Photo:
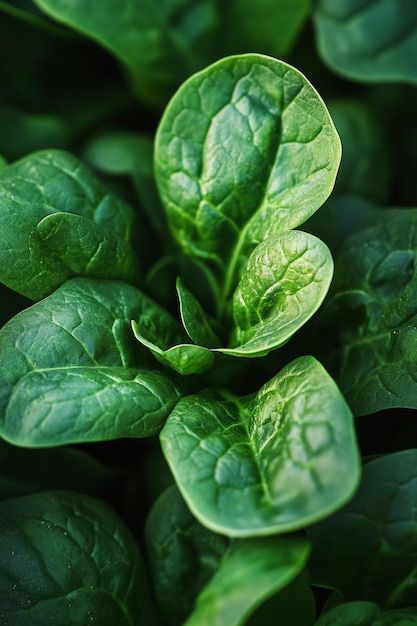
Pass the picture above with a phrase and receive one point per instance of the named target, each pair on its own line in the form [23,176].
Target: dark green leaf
[52,182]
[183,555]
[374,536]
[369,40]
[71,369]
[374,308]
[69,559]
[195,320]
[367,614]
[266,463]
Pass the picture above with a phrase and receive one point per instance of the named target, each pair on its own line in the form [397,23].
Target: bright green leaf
[69,559]
[51,182]
[369,40]
[285,281]
[245,149]
[72,371]
[374,536]
[267,463]
[195,320]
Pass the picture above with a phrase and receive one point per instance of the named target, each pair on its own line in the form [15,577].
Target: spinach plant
[208,333]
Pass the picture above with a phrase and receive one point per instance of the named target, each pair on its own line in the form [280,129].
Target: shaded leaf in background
[374,536]
[367,614]
[69,559]
[368,40]
[373,306]
[73,372]
[271,462]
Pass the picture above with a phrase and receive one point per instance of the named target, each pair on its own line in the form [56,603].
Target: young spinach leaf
[369,40]
[246,149]
[72,371]
[69,559]
[267,463]
[57,221]
[374,536]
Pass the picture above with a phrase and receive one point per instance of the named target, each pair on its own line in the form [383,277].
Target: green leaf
[374,536]
[271,462]
[87,248]
[195,320]
[72,371]
[373,305]
[183,555]
[367,614]
[368,40]
[245,149]
[251,571]
[53,182]
[69,559]
[160,44]
[285,281]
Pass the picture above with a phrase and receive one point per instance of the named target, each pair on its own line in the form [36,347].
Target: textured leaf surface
[268,463]
[251,571]
[245,149]
[69,559]
[367,614]
[55,182]
[374,536]
[72,371]
[374,306]
[370,40]
[285,281]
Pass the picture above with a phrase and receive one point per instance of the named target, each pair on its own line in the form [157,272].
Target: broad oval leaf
[374,536]
[72,371]
[55,183]
[369,40]
[373,304]
[69,559]
[245,149]
[367,614]
[268,463]
[285,281]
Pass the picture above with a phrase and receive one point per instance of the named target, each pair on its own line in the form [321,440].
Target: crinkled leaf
[87,248]
[72,370]
[195,320]
[367,614]
[374,536]
[183,555]
[51,182]
[266,463]
[245,149]
[374,308]
[285,281]
[69,559]
[369,40]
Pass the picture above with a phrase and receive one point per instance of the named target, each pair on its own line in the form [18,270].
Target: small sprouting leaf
[369,40]
[267,463]
[72,371]
[374,536]
[45,184]
[195,320]
[245,149]
[285,281]
[367,614]
[69,559]
[373,305]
